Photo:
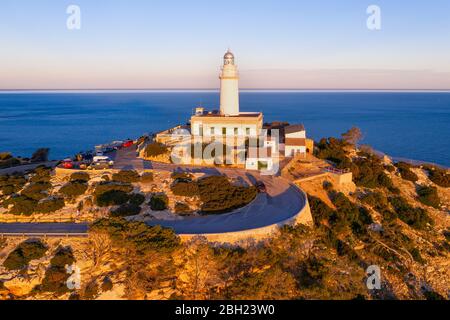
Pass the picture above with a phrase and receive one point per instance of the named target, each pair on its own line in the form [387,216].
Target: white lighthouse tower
[229,87]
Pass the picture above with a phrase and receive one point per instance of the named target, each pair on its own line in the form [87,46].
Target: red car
[127,144]
[67,164]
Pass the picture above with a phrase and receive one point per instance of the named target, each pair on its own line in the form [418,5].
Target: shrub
[405,171]
[50,205]
[155,149]
[186,189]
[9,162]
[40,155]
[333,149]
[147,177]
[5,156]
[312,272]
[41,174]
[91,291]
[36,191]
[319,210]
[126,210]
[10,184]
[182,208]
[24,253]
[126,176]
[137,236]
[414,217]
[376,200]
[177,175]
[22,205]
[80,176]
[159,202]
[136,199]
[74,189]
[439,176]
[429,196]
[219,195]
[105,186]
[56,276]
[112,198]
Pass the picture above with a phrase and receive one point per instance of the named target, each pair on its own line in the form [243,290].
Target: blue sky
[179,44]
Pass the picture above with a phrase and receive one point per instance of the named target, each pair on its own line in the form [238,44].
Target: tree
[40,155]
[352,136]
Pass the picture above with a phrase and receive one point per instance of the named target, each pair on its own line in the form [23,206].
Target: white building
[295,140]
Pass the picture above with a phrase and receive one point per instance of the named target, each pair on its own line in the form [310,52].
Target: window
[236,131]
[224,131]
[247,131]
[200,130]
[212,131]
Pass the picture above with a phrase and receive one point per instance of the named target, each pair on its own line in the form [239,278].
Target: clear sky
[322,44]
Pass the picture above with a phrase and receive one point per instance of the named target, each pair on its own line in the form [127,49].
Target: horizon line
[217,90]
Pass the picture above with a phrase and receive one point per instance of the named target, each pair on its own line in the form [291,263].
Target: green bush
[320,210]
[405,171]
[41,174]
[184,176]
[414,217]
[56,276]
[74,189]
[218,195]
[439,176]
[182,208]
[376,200]
[333,149]
[155,149]
[126,176]
[50,205]
[137,236]
[80,176]
[184,188]
[147,177]
[105,186]
[429,196]
[112,198]
[22,205]
[10,184]
[125,210]
[36,191]
[21,256]
[136,199]
[159,202]
[5,156]
[91,291]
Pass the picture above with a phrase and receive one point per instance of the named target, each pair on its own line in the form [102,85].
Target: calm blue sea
[401,124]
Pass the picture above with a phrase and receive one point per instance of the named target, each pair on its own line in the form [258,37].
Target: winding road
[283,201]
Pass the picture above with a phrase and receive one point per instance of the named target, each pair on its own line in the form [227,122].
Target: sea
[408,125]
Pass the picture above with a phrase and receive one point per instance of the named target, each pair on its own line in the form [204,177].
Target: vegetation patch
[182,208]
[137,235]
[26,251]
[159,202]
[10,184]
[126,176]
[429,196]
[80,176]
[56,276]
[405,171]
[73,189]
[112,198]
[155,149]
[415,217]
[147,177]
[218,195]
[439,176]
[125,210]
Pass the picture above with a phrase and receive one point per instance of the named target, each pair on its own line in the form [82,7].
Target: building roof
[261,152]
[301,142]
[216,113]
[294,128]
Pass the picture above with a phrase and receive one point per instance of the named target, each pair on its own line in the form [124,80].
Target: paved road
[30,229]
[282,201]
[27,167]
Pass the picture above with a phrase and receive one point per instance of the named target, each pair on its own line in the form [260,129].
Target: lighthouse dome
[228,55]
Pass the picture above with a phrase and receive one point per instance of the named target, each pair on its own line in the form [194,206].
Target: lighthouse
[229,86]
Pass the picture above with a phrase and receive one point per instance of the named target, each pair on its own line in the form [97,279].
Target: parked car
[67,164]
[101,162]
[127,144]
[261,187]
[116,145]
